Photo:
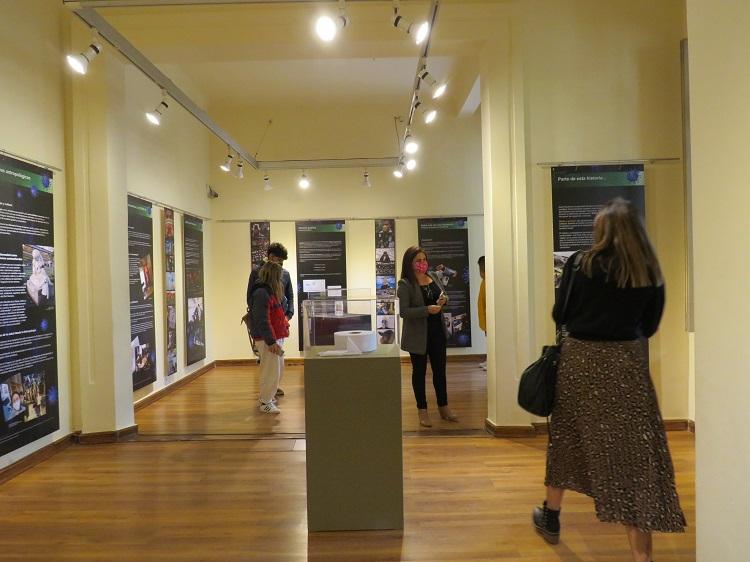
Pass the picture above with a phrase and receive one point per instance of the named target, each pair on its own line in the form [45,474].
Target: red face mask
[421,267]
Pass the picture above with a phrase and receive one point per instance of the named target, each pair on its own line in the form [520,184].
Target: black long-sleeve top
[599,310]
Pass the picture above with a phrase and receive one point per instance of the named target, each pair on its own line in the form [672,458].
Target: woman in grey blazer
[421,297]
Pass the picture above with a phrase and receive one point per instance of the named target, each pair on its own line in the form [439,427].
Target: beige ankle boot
[424,417]
[446,414]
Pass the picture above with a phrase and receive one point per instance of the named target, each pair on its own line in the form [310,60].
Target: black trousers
[436,353]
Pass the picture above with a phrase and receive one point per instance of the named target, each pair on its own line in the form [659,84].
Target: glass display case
[349,322]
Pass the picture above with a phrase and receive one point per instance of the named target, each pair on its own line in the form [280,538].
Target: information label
[28,339]
[141,274]
[446,241]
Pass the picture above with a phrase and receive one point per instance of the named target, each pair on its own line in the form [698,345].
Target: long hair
[407,271]
[270,274]
[622,245]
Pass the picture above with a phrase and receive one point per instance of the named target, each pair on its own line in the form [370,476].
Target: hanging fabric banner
[28,333]
[385,278]
[195,328]
[170,298]
[260,240]
[141,275]
[321,262]
[446,241]
[578,193]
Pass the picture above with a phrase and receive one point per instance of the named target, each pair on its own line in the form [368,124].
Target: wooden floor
[224,402]
[466,498]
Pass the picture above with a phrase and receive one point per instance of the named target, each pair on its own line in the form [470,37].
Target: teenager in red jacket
[269,328]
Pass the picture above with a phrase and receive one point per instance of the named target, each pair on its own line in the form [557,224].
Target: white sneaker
[483,365]
[269,408]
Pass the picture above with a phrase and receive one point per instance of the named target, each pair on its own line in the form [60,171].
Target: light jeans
[271,369]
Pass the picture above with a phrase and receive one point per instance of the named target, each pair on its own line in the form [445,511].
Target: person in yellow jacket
[482,307]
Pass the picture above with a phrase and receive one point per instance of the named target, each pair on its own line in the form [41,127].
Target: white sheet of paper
[314,285]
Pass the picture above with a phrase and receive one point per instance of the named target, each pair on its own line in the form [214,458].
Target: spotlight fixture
[227,165]
[240,170]
[267,183]
[327,27]
[366,179]
[304,183]
[428,114]
[411,164]
[400,171]
[438,88]
[417,31]
[80,62]
[154,117]
[411,146]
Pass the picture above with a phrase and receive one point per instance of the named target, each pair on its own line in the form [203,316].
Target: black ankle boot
[547,523]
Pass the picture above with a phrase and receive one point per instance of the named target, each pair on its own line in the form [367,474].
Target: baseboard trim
[506,431]
[542,428]
[30,461]
[300,361]
[162,392]
[98,438]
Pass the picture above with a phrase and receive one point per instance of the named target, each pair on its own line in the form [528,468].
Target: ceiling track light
[411,164]
[80,62]
[400,170]
[417,31]
[327,27]
[267,183]
[411,146]
[429,114]
[438,88]
[304,182]
[154,117]
[227,165]
[366,179]
[240,170]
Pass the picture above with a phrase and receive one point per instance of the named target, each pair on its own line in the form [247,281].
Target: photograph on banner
[579,193]
[260,240]
[446,241]
[385,283]
[195,312]
[386,307]
[142,314]
[386,328]
[39,272]
[28,333]
[385,233]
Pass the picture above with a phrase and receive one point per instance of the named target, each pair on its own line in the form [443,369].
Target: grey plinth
[354,453]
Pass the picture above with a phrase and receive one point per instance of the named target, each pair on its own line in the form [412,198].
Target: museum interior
[155,153]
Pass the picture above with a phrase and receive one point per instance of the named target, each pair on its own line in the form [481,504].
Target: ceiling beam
[139,60]
[151,3]
[387,162]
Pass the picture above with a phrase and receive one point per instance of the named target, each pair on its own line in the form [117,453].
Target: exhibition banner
[578,193]
[194,310]
[28,336]
[170,295]
[385,278]
[141,274]
[260,240]
[446,241]
[321,261]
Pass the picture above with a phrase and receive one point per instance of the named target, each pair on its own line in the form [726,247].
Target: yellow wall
[719,48]
[32,117]
[602,82]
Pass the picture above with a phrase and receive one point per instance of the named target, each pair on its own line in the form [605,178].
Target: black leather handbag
[536,390]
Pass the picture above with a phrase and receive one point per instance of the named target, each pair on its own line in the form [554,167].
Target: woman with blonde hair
[269,327]
[607,437]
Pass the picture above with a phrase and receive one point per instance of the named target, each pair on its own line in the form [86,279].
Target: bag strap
[577,257]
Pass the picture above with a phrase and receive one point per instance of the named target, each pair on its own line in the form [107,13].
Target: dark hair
[277,249]
[480,262]
[623,248]
[407,271]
